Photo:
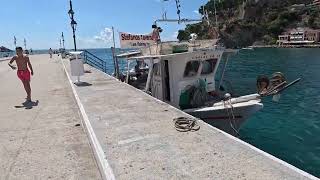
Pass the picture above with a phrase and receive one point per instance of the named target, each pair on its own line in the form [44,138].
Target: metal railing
[94,61]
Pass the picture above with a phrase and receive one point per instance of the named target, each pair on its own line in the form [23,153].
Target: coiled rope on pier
[185,124]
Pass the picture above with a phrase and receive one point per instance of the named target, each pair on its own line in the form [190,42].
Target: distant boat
[4,49]
[248,48]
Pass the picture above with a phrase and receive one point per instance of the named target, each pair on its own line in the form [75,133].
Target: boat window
[208,66]
[191,68]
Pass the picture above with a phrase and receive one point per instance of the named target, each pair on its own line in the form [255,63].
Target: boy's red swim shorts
[24,75]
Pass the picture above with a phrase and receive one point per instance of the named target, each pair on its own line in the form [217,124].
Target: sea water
[288,129]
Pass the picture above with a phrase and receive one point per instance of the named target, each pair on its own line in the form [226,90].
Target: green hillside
[243,23]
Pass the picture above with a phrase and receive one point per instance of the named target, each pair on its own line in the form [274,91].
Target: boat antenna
[179,20]
[178,10]
[164,10]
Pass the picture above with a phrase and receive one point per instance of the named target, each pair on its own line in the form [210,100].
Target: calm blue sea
[288,129]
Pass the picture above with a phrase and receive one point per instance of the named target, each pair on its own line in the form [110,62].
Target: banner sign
[128,40]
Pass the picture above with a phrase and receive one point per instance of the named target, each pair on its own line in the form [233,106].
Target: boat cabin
[171,74]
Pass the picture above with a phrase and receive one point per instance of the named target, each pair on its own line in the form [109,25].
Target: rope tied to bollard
[185,124]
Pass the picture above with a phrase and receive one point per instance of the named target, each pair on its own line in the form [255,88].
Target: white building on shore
[299,36]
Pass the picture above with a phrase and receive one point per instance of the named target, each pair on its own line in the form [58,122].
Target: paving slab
[42,142]
[135,138]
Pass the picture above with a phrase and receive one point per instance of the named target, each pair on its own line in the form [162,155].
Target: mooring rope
[185,124]
[231,115]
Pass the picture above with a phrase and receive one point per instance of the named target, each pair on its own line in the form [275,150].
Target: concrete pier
[134,138]
[108,129]
[42,140]
[5,58]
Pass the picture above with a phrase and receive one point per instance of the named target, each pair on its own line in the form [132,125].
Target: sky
[41,22]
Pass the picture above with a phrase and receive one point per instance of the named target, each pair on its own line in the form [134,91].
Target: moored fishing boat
[183,74]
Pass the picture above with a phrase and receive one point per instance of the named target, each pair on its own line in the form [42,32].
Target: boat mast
[62,37]
[25,43]
[15,41]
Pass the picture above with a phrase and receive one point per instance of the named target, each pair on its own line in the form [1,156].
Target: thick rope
[231,116]
[185,124]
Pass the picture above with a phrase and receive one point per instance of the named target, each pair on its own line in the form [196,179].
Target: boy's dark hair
[19,48]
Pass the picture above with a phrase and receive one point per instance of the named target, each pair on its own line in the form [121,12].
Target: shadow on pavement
[28,104]
[82,84]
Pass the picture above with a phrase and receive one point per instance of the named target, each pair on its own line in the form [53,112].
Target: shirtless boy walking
[23,72]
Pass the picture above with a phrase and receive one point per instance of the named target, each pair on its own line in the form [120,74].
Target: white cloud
[105,35]
[196,11]
[102,40]
[170,37]
[175,35]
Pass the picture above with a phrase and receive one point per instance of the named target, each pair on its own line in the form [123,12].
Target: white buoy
[276,98]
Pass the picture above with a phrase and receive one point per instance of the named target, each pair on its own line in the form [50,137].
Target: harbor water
[287,129]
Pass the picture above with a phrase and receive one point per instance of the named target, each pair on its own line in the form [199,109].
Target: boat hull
[222,118]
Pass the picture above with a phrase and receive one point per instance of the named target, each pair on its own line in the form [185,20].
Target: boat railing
[94,61]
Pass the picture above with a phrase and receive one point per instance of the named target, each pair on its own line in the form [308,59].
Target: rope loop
[185,124]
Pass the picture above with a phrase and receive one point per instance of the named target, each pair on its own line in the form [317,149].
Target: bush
[183,35]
